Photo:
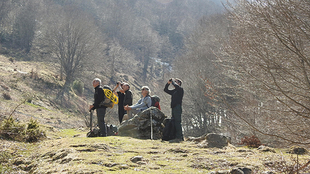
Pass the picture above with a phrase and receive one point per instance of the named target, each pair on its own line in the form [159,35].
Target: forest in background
[244,65]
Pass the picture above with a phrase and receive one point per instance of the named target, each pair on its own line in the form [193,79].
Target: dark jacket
[176,94]
[128,98]
[98,97]
[121,97]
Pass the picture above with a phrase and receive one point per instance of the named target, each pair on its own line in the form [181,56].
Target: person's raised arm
[114,90]
[166,87]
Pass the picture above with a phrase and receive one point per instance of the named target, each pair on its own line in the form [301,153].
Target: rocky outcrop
[140,125]
[213,140]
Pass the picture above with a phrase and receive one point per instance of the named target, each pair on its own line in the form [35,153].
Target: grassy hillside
[69,151]
[36,84]
[66,149]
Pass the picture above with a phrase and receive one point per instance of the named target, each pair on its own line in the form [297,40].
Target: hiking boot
[177,140]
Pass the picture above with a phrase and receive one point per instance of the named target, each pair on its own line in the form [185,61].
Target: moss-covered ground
[70,151]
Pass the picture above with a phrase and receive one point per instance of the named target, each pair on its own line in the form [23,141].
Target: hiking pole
[151,113]
[91,120]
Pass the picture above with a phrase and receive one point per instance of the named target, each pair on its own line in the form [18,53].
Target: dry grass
[70,151]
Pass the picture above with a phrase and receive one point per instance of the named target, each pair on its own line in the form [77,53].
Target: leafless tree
[4,8]
[269,47]
[25,26]
[73,39]
[197,67]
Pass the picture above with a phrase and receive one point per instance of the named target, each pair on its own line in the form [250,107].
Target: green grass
[36,106]
[112,155]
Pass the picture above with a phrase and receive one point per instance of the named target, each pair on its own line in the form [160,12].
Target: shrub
[252,141]
[4,157]
[297,150]
[12,130]
[78,86]
[7,96]
[33,132]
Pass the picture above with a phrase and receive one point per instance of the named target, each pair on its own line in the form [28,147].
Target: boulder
[140,125]
[216,140]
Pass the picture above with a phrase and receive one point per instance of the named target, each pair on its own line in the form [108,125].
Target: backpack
[109,97]
[155,101]
[169,130]
[111,130]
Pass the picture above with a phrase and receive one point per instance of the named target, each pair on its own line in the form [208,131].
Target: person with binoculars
[176,105]
[124,98]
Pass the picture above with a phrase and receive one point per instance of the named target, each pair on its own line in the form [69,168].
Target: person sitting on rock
[144,103]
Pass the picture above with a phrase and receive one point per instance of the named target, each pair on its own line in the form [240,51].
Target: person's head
[145,90]
[178,81]
[126,86]
[96,82]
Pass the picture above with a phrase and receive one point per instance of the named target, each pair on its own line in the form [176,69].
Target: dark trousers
[176,114]
[121,113]
[101,123]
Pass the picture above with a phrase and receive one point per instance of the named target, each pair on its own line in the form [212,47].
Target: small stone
[236,171]
[135,159]
[246,170]
[263,148]
[223,172]
[268,172]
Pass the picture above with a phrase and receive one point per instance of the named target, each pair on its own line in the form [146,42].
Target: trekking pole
[91,120]
[151,113]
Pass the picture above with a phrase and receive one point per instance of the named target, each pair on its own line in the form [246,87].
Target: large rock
[140,125]
[216,140]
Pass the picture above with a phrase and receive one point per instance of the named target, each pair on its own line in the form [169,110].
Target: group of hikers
[126,109]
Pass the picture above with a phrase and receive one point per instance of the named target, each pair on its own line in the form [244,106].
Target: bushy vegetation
[7,96]
[251,141]
[12,130]
[78,87]
[33,132]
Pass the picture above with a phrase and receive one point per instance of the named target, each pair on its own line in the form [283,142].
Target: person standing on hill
[100,109]
[176,106]
[124,98]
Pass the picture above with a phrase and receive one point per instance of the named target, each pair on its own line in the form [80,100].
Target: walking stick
[91,121]
[151,113]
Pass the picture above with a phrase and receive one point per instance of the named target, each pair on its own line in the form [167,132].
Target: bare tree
[269,47]
[197,67]
[4,8]
[25,26]
[73,39]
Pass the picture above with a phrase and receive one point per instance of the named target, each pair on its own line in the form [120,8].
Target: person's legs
[121,113]
[101,123]
[176,113]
